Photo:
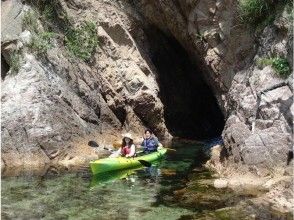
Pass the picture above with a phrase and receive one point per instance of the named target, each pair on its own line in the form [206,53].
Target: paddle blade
[145,163]
[117,144]
[105,148]
[170,149]
[93,144]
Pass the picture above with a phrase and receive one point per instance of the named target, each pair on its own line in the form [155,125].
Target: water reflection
[104,178]
[125,194]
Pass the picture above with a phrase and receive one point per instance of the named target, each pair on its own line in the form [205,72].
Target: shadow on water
[176,187]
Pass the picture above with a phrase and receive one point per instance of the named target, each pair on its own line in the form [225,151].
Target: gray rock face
[262,101]
[11,20]
[40,114]
[128,82]
[52,107]
[266,147]
[236,133]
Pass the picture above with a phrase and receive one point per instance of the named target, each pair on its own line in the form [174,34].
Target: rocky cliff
[54,103]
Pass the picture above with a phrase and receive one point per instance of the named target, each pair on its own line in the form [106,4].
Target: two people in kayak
[149,144]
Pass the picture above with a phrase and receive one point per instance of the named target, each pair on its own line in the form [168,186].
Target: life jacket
[150,144]
[126,150]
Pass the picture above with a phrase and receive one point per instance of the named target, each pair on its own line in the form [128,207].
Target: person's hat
[127,135]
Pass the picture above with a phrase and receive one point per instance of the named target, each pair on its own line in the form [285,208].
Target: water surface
[175,188]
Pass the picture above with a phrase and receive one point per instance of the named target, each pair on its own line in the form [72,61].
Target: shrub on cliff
[41,42]
[41,39]
[279,64]
[14,62]
[30,21]
[260,13]
[254,11]
[82,41]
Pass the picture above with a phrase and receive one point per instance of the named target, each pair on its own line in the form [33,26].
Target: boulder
[268,147]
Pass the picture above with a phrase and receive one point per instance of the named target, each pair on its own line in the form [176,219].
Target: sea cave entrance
[191,109]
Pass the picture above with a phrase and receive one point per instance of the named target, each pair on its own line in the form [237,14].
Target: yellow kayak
[120,163]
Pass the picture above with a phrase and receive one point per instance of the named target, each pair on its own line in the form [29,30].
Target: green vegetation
[262,62]
[260,13]
[30,21]
[41,40]
[48,12]
[279,64]
[254,11]
[14,63]
[82,41]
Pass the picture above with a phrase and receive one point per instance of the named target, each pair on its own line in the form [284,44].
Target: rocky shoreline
[274,190]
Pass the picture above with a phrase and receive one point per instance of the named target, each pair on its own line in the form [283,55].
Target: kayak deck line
[119,163]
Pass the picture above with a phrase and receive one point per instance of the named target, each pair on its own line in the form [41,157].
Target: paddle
[94,144]
[145,163]
[170,149]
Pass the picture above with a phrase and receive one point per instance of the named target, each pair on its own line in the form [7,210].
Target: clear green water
[147,193]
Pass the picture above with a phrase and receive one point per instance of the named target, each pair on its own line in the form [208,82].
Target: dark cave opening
[191,109]
[4,67]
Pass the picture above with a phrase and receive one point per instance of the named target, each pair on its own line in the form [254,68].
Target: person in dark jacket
[150,142]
